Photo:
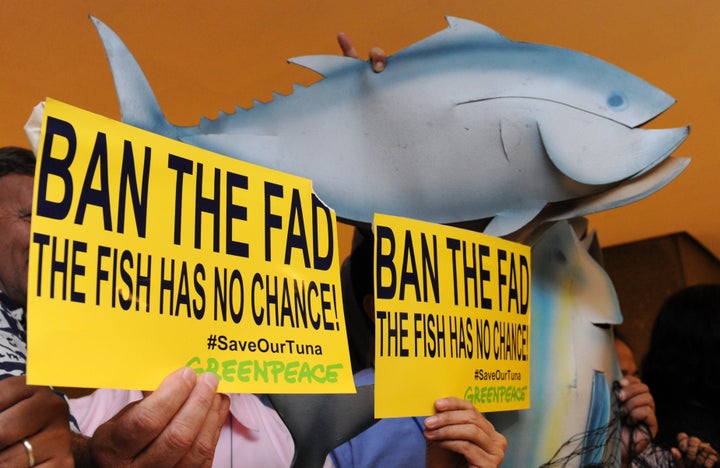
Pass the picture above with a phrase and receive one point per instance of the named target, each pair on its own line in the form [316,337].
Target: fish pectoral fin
[509,221]
[597,151]
[325,64]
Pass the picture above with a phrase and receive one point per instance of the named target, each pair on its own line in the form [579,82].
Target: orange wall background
[203,57]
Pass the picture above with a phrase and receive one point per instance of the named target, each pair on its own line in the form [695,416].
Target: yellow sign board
[148,254]
[452,318]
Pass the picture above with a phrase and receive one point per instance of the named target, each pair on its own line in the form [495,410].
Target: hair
[682,366]
[16,160]
[685,343]
[361,267]
[357,280]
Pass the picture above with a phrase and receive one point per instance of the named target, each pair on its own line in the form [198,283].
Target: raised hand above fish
[461,126]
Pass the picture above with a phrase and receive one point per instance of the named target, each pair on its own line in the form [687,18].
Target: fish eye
[616,101]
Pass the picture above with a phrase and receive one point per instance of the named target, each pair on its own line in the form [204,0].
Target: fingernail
[379,66]
[189,375]
[431,421]
[210,379]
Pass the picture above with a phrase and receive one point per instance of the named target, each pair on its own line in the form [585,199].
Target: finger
[712,459]
[474,455]
[14,455]
[693,446]
[131,430]
[346,45]
[676,455]
[638,392]
[223,414]
[706,456]
[456,411]
[12,390]
[640,400]
[452,403]
[633,388]
[203,449]
[486,441]
[179,435]
[629,381]
[43,404]
[701,457]
[682,439]
[460,425]
[378,59]
[51,446]
[642,414]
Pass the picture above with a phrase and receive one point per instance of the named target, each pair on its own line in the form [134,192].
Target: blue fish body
[573,360]
[463,125]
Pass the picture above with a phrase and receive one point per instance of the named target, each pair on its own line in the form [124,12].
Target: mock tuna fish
[464,125]
[573,418]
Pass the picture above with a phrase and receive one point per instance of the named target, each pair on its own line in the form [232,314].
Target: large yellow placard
[148,254]
[452,318]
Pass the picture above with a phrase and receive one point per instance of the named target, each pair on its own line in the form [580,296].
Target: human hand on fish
[377,56]
[459,435]
[693,452]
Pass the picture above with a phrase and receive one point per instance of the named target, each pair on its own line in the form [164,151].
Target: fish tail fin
[138,105]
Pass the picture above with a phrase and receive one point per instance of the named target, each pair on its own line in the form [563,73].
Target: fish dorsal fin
[467,27]
[459,31]
[324,64]
[138,105]
[458,28]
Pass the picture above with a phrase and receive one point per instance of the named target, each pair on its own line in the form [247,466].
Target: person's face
[628,366]
[15,210]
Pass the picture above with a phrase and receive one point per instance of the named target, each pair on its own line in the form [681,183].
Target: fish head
[469,61]
[587,110]
[531,70]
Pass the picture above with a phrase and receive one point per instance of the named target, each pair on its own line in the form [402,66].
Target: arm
[378,58]
[459,435]
[178,424]
[37,415]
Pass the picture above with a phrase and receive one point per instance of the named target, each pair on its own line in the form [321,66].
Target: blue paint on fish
[597,430]
[463,125]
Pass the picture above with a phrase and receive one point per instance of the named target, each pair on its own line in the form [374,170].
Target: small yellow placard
[452,318]
[148,254]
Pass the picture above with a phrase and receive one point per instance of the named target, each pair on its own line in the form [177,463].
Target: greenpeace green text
[259,371]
